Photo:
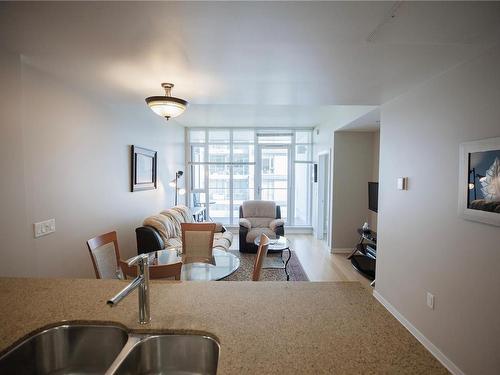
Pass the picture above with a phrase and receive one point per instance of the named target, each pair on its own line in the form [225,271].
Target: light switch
[43,228]
[430,301]
[402,183]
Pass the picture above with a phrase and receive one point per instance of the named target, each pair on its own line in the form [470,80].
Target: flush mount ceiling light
[167,106]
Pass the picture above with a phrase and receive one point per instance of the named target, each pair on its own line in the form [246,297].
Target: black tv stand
[364,255]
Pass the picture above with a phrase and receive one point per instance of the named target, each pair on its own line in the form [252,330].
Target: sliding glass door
[273,175]
[228,166]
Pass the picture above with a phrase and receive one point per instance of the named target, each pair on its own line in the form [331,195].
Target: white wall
[334,117]
[66,155]
[372,216]
[15,239]
[423,245]
[352,169]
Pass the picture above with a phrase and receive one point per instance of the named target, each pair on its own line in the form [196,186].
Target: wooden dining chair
[197,242]
[261,255]
[105,255]
[163,271]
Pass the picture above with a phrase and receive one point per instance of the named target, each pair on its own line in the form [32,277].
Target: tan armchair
[256,218]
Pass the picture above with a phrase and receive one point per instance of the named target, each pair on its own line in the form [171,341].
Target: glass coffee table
[222,264]
[278,245]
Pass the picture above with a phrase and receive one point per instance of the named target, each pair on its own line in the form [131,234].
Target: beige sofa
[164,230]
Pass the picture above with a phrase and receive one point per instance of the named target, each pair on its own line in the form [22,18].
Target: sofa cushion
[176,218]
[173,242]
[256,232]
[185,212]
[259,209]
[260,222]
[223,240]
[163,225]
[168,226]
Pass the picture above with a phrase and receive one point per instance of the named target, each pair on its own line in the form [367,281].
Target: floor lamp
[174,184]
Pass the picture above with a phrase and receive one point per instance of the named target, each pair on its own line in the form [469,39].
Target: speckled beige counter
[262,327]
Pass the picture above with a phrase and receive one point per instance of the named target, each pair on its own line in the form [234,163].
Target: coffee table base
[284,245]
[285,262]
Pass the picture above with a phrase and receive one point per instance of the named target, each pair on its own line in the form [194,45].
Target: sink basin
[103,349]
[171,354]
[66,349]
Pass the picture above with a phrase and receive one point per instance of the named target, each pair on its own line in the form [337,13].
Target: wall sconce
[174,184]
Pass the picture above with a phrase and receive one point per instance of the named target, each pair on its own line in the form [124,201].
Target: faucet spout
[112,302]
[141,282]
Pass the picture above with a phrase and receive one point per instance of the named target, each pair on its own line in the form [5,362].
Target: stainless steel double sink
[108,349]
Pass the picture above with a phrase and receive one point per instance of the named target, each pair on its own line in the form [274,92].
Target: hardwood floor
[318,262]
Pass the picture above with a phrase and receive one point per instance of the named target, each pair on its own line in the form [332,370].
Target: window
[219,176]
[274,138]
[218,136]
[218,153]
[303,191]
[197,136]
[243,153]
[243,136]
[229,166]
[303,137]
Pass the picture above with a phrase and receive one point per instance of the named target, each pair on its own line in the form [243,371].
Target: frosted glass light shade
[166,106]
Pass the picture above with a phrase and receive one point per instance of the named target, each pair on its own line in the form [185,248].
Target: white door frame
[324,191]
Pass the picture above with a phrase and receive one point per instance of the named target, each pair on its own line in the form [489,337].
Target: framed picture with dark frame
[479,184]
[144,169]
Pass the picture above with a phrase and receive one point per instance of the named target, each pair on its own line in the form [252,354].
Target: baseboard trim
[341,250]
[445,361]
[299,230]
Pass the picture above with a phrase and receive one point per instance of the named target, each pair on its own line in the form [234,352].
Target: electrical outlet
[430,301]
[43,228]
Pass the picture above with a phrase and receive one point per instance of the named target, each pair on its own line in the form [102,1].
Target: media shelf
[364,255]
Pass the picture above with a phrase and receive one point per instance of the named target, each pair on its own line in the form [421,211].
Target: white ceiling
[249,63]
[369,122]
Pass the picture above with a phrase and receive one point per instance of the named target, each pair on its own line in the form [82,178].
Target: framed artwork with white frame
[479,181]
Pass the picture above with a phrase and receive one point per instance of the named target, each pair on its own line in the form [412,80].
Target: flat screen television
[373,196]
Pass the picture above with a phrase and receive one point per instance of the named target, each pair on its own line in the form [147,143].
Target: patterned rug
[244,272]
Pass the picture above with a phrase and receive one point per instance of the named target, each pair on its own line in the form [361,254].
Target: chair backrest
[164,271]
[197,241]
[261,209]
[260,213]
[261,255]
[105,254]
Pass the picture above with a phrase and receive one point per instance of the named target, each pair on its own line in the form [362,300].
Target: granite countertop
[262,327]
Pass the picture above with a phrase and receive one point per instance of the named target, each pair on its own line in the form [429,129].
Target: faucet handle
[141,258]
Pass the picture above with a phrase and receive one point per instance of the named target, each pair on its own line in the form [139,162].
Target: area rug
[244,272]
